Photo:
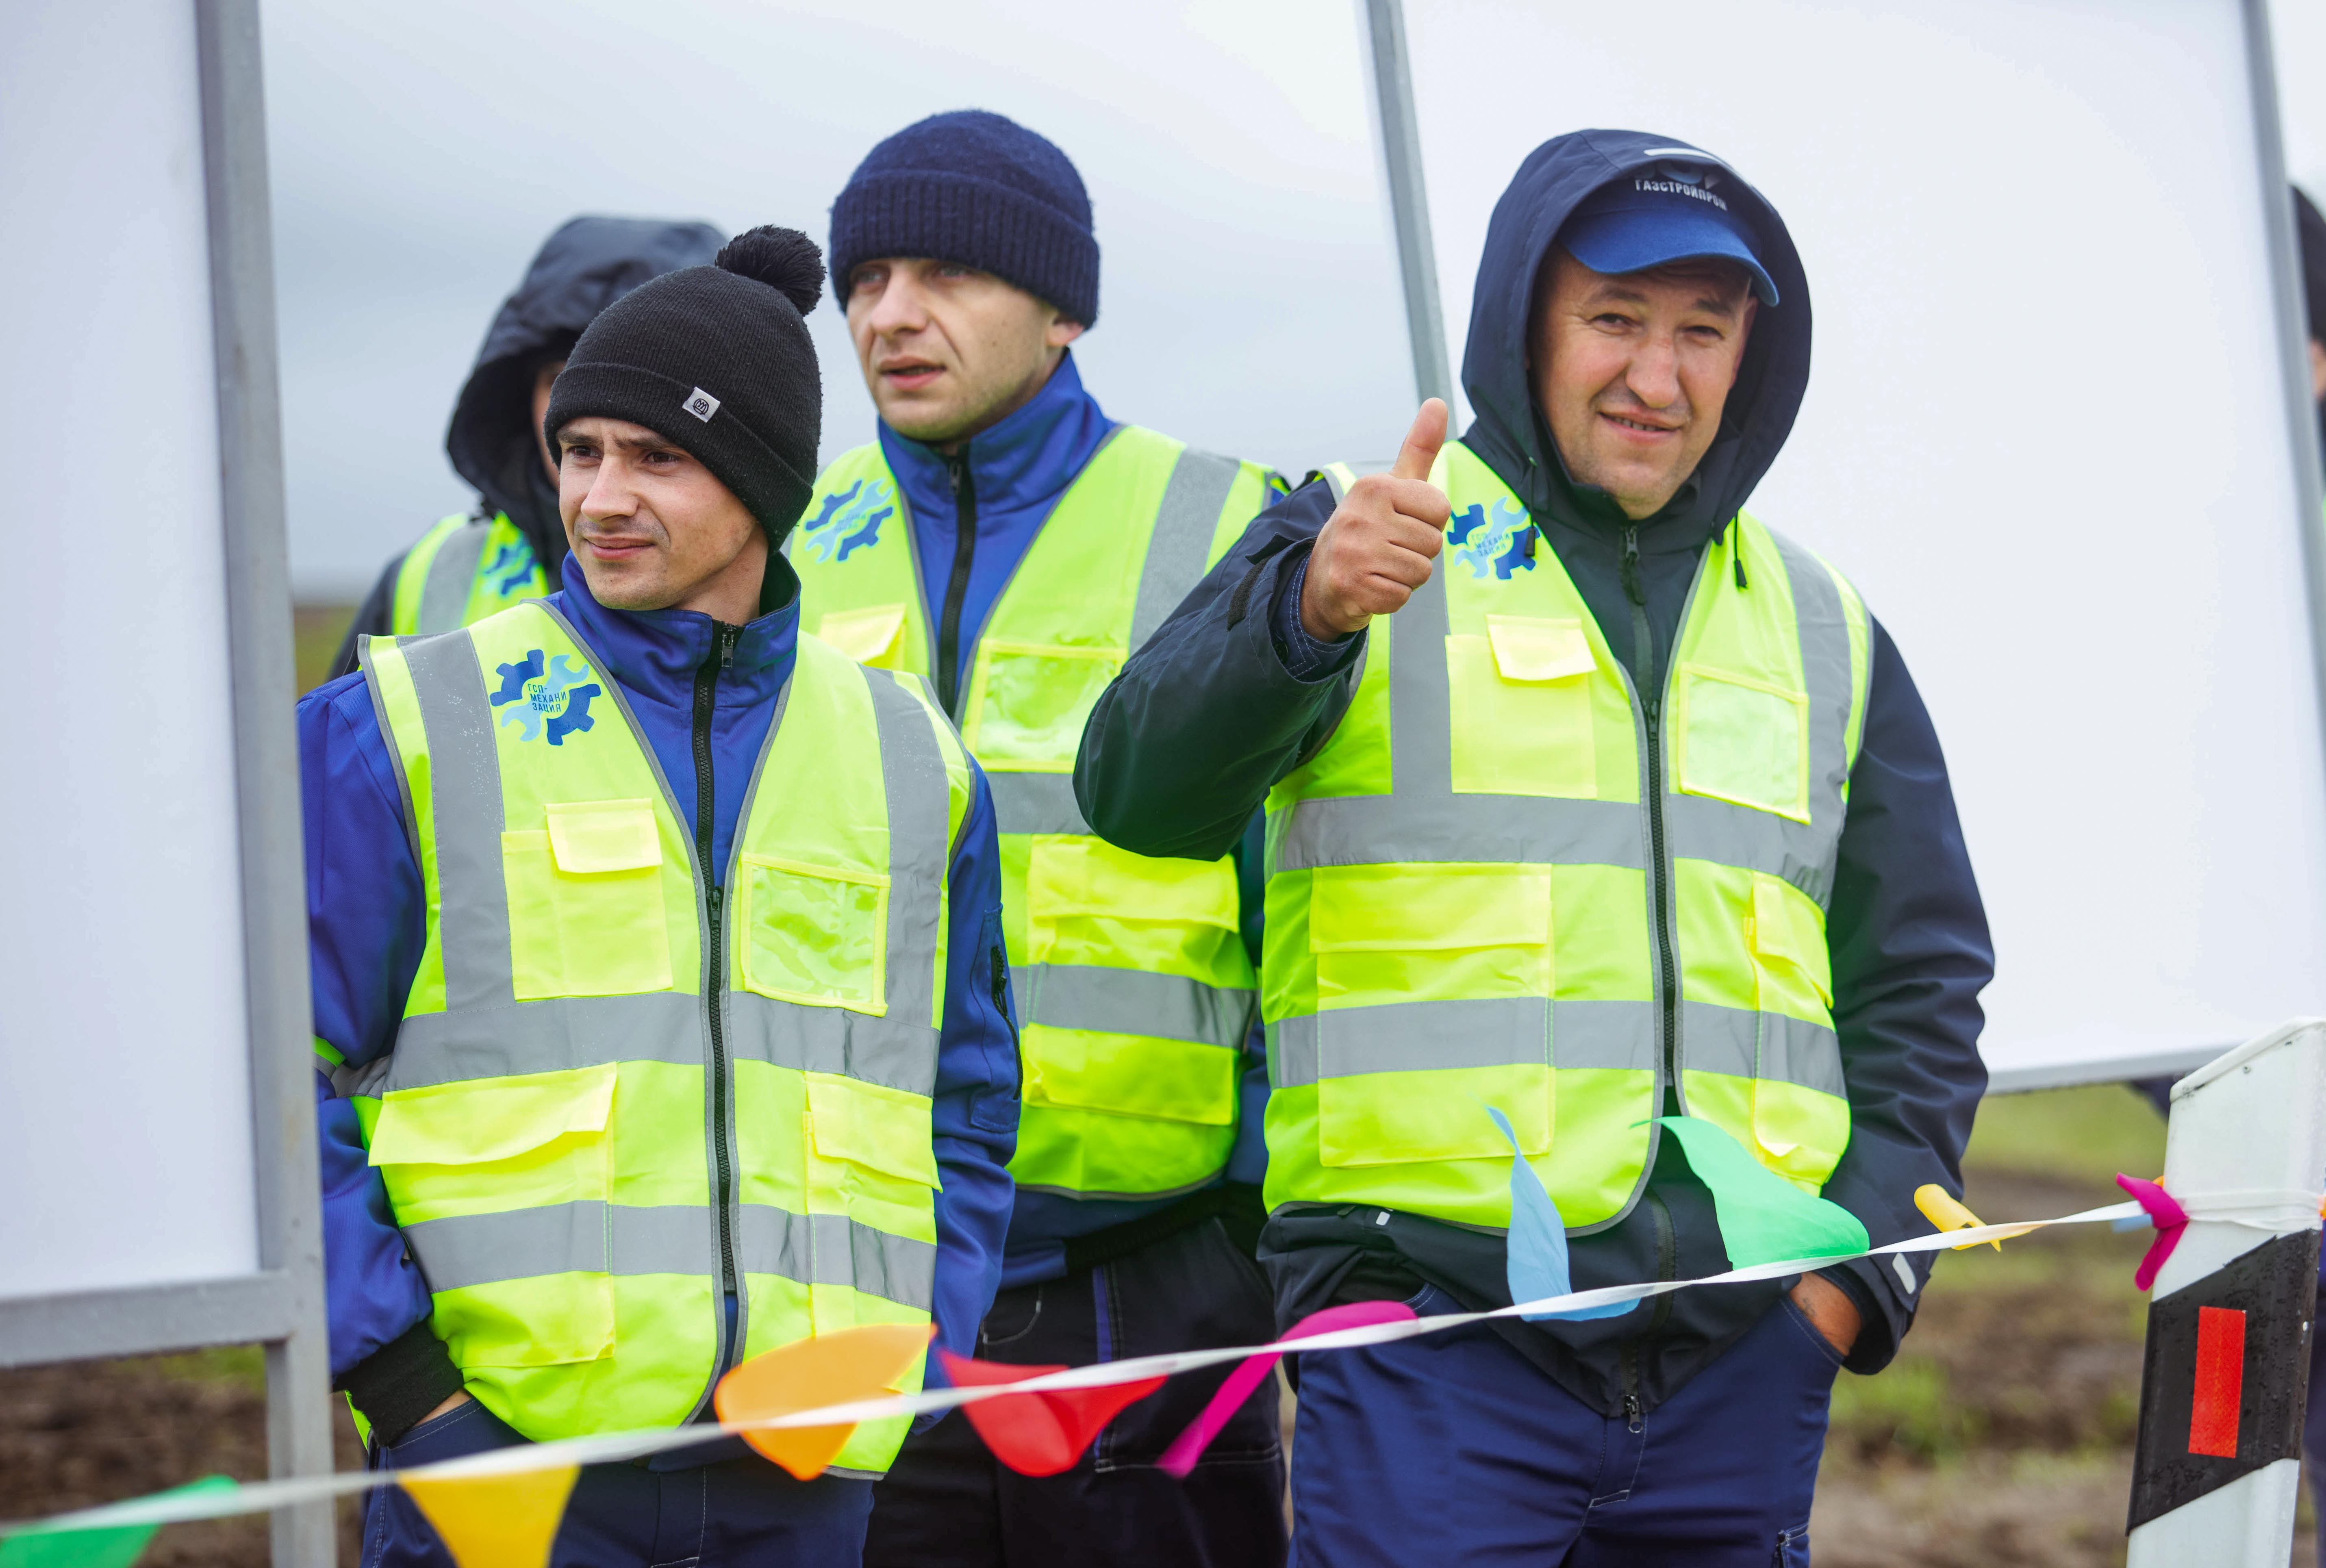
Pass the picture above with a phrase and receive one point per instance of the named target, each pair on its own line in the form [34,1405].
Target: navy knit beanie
[976,189]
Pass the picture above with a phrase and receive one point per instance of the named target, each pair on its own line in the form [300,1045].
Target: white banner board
[2046,433]
[126,1149]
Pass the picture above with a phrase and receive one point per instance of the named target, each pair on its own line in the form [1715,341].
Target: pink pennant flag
[1188,1446]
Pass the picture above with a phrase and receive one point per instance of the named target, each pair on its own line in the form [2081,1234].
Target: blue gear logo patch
[1490,542]
[850,520]
[514,559]
[546,701]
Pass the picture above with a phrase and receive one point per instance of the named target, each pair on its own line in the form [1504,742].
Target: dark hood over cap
[1508,432]
[583,267]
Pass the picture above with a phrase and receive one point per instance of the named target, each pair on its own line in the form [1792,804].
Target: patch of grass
[2084,1135]
[316,631]
[1908,1409]
[243,1366]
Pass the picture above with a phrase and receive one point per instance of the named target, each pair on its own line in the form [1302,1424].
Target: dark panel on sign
[2190,1404]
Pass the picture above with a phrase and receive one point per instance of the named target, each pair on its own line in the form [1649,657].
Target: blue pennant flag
[1538,1241]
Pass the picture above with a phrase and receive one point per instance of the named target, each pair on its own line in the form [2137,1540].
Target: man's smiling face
[1632,369]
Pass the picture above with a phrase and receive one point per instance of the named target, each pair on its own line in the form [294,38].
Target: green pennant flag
[118,1547]
[1764,1218]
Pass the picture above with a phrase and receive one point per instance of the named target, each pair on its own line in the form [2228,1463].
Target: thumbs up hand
[1377,546]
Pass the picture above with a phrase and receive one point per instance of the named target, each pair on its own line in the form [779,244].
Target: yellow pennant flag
[498,1521]
[1943,1209]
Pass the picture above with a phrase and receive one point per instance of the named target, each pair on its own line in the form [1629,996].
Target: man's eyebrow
[648,442]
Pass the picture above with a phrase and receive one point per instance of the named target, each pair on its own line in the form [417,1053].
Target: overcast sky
[422,151]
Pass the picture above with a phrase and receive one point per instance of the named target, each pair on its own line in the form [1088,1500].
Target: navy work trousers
[739,1513]
[1453,1447]
[948,1503]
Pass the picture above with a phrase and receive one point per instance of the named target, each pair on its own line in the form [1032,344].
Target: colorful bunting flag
[834,1368]
[1044,1432]
[1188,1446]
[1536,1249]
[496,1521]
[1764,1218]
[113,1548]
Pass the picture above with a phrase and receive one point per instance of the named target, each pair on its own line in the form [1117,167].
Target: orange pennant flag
[496,1521]
[835,1368]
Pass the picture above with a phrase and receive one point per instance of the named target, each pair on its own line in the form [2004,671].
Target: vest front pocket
[1393,943]
[869,1157]
[1520,700]
[1090,903]
[1132,1075]
[1740,740]
[585,903]
[500,1187]
[1028,702]
[814,934]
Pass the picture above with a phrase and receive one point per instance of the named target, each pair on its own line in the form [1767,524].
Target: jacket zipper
[714,967]
[965,552]
[1651,690]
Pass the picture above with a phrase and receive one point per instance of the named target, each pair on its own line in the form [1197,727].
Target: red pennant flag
[1046,1432]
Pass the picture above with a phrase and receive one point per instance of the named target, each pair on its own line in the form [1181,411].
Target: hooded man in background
[1624,820]
[508,548]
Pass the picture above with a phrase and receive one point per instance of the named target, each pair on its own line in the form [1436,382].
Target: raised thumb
[1421,442]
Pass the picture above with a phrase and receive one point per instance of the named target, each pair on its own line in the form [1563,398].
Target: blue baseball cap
[1666,211]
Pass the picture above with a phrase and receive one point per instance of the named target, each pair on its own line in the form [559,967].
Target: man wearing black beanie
[1007,538]
[658,962]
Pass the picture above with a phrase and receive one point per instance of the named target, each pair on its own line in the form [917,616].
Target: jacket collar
[1025,459]
[655,653]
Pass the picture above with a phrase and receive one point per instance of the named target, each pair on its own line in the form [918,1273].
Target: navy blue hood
[583,267]
[1508,432]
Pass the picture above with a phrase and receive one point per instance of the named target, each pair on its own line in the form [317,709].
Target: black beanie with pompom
[716,361]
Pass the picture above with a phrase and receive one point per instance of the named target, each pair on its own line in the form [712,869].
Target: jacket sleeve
[975,1116]
[375,618]
[366,928]
[1182,747]
[1910,954]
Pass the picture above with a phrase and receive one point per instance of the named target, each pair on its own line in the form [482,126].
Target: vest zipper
[965,552]
[1651,690]
[714,969]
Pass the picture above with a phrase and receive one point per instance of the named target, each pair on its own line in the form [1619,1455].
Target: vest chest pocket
[814,934]
[1740,740]
[1520,698]
[1028,703]
[585,903]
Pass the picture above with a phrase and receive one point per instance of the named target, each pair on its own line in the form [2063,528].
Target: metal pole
[2293,328]
[2217,1465]
[258,631]
[1409,202]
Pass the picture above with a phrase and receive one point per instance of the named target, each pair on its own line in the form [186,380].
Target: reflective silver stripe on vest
[834,1249]
[920,835]
[552,1036]
[1388,829]
[591,1237]
[1035,803]
[1132,1002]
[1480,1032]
[1181,538]
[464,773]
[451,573]
[1777,1046]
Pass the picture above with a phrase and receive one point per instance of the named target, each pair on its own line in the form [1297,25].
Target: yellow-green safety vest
[1501,883]
[462,570]
[1134,991]
[589,1133]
